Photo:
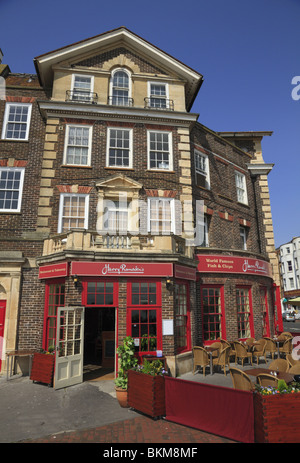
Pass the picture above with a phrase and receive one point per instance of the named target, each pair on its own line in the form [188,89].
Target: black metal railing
[159,103]
[120,101]
[81,96]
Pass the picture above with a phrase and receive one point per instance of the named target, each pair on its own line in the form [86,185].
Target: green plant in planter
[127,361]
[282,388]
[154,368]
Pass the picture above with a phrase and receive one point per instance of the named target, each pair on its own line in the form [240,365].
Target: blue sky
[247,50]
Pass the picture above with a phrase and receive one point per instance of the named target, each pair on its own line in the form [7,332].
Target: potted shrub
[42,369]
[127,360]
[146,388]
[277,413]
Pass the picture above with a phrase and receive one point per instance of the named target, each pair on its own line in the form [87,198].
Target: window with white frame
[161,216]
[202,230]
[78,145]
[158,95]
[115,216]
[82,87]
[160,150]
[119,152]
[243,235]
[240,183]
[11,188]
[73,211]
[290,266]
[16,121]
[202,170]
[120,88]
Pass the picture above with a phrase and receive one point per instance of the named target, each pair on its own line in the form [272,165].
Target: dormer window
[82,88]
[158,96]
[120,88]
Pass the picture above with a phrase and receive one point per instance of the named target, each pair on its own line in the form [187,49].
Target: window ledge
[161,171]
[118,168]
[76,166]
[15,140]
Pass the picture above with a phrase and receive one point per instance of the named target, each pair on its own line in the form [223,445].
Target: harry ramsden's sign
[116,269]
[230,264]
[54,270]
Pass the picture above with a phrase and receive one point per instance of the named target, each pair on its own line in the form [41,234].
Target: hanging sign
[230,264]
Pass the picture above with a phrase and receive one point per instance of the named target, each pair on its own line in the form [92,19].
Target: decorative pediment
[119,47]
[119,183]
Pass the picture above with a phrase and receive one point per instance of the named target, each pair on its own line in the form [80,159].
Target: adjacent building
[289,260]
[121,214]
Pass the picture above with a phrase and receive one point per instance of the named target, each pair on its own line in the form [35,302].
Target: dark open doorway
[99,342]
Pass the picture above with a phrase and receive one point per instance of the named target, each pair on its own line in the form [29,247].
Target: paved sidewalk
[139,430]
[85,413]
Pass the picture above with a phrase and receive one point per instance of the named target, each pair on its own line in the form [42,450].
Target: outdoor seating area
[231,363]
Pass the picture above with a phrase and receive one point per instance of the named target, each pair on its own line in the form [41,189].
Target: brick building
[118,207]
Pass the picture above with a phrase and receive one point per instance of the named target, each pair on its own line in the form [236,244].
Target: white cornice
[62,109]
[260,169]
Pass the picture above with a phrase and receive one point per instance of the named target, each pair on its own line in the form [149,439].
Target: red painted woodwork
[229,264]
[277,418]
[42,368]
[146,393]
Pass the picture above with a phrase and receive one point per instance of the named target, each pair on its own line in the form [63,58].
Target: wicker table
[210,351]
[288,377]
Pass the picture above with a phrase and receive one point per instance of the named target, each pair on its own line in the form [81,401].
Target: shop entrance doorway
[99,343]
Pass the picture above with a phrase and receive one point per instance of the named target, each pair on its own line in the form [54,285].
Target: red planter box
[277,418]
[42,368]
[146,393]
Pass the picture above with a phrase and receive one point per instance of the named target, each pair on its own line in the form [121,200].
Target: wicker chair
[287,335]
[200,358]
[241,380]
[241,352]
[223,359]
[291,360]
[295,369]
[217,344]
[264,379]
[286,348]
[249,341]
[280,365]
[271,347]
[259,350]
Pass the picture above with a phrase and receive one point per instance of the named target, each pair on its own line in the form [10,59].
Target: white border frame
[172,207]
[197,171]
[5,120]
[22,170]
[237,172]
[110,95]
[170,169]
[61,203]
[82,75]
[130,130]
[90,127]
[166,84]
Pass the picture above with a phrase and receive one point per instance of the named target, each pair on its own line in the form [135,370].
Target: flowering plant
[282,388]
[154,368]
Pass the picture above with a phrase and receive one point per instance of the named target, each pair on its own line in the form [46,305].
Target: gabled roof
[45,62]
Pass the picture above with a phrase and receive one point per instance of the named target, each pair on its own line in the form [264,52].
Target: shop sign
[229,264]
[54,271]
[121,269]
[185,273]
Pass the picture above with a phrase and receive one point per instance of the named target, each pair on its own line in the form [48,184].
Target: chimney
[1,56]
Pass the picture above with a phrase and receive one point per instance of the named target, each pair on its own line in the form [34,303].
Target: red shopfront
[214,272]
[122,298]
